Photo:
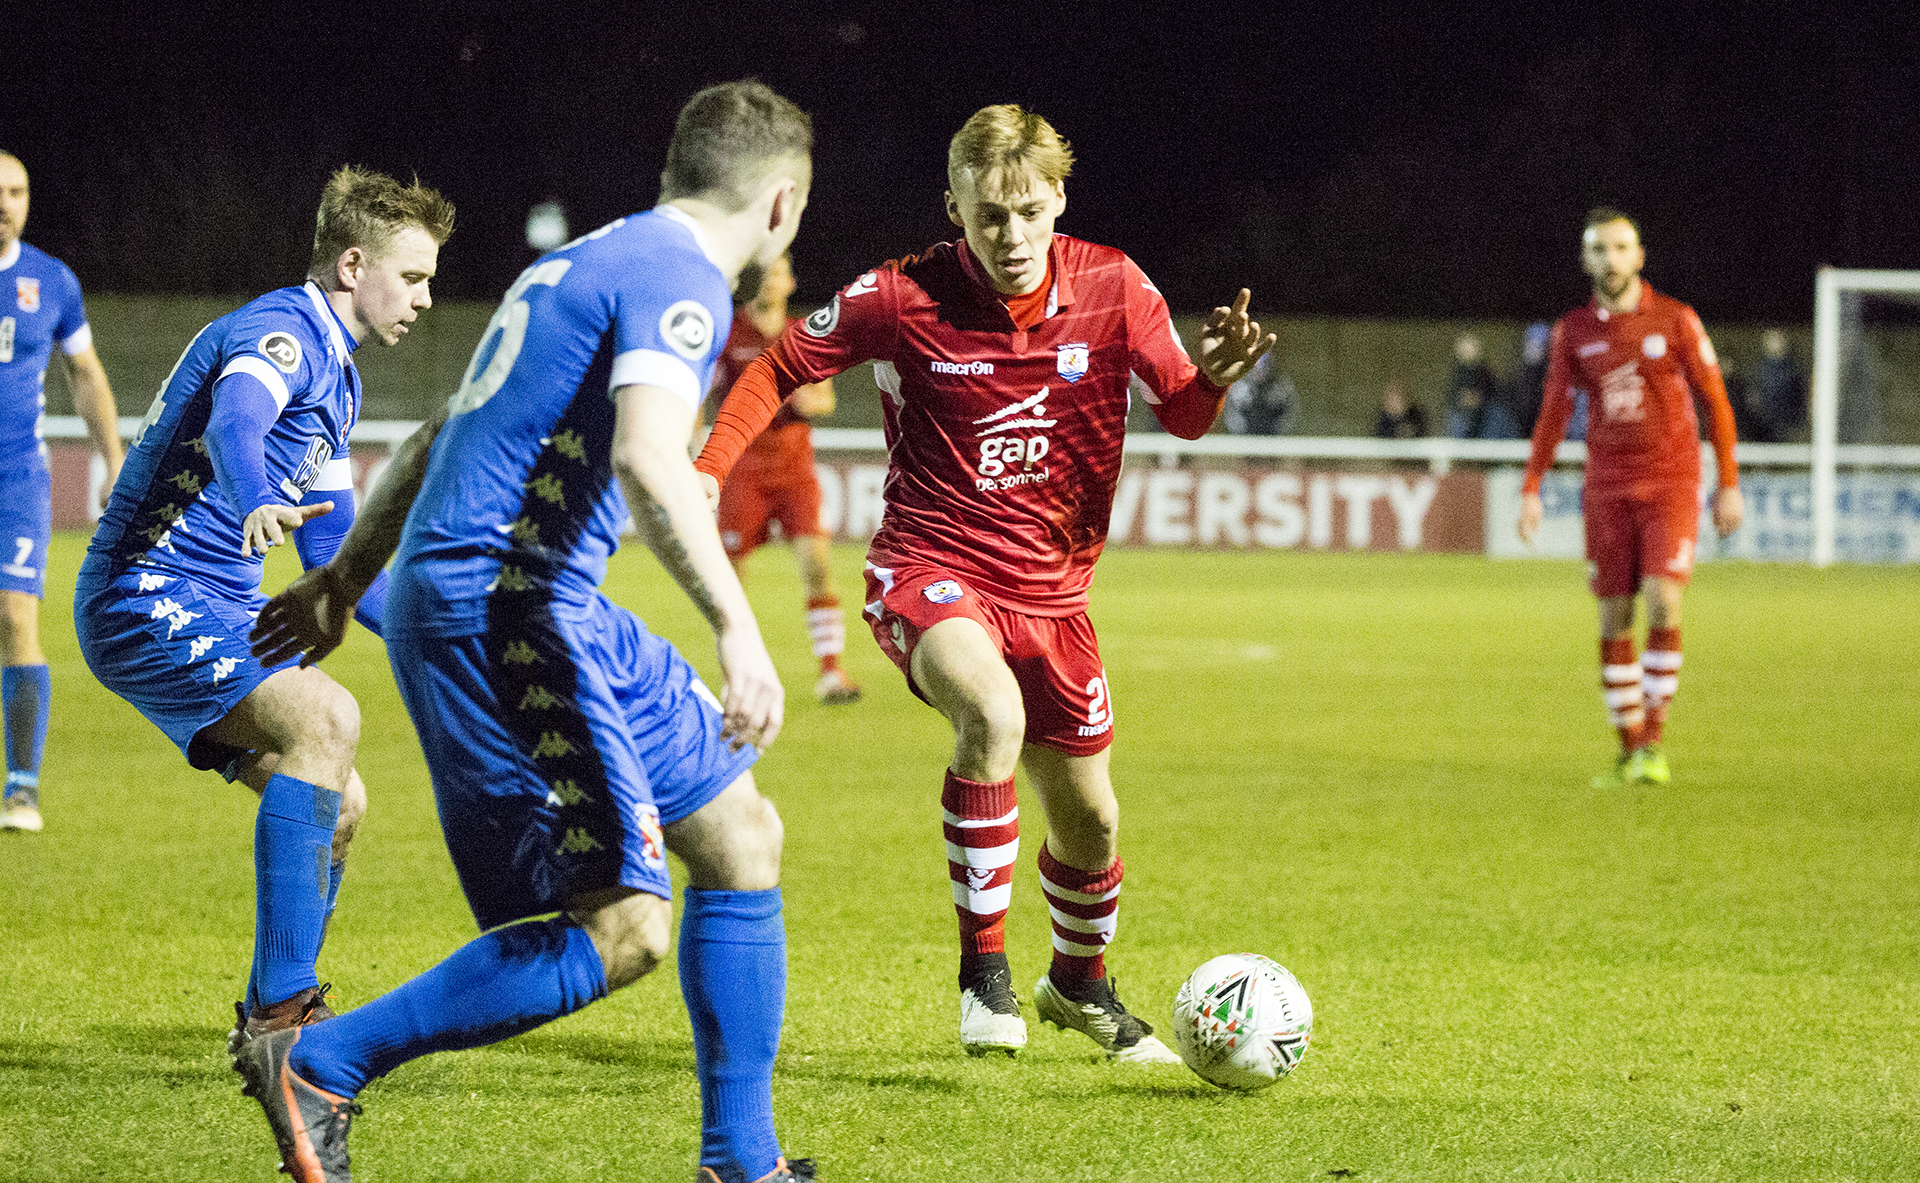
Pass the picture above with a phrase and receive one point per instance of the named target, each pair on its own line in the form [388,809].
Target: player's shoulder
[46,272]
[654,256]
[1670,308]
[284,326]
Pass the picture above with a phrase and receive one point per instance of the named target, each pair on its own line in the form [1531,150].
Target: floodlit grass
[1372,768]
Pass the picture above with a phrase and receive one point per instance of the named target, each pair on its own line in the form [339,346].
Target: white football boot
[990,1016]
[1103,1019]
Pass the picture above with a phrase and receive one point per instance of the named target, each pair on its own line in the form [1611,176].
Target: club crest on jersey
[688,327]
[27,292]
[1655,345]
[283,350]
[1072,361]
[944,592]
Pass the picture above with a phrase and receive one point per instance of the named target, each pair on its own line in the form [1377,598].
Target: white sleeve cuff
[650,367]
[262,371]
[335,475]
[79,342]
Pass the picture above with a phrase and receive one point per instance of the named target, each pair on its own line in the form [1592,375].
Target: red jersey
[1004,441]
[1641,370]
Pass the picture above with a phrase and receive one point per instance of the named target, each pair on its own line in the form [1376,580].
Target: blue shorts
[26,525]
[558,749]
[173,647]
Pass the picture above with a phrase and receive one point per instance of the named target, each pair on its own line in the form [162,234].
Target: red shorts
[771,484]
[1636,536]
[1055,659]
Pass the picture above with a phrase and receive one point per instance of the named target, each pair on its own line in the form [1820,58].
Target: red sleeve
[1181,397]
[1556,409]
[855,327]
[1703,373]
[748,408]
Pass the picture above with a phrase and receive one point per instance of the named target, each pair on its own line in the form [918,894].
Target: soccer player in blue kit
[39,307]
[245,446]
[569,748]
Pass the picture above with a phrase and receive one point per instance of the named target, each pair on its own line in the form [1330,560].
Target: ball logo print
[688,327]
[282,350]
[1242,1021]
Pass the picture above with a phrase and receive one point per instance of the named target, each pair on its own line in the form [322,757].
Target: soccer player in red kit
[1004,362]
[1642,357]
[774,480]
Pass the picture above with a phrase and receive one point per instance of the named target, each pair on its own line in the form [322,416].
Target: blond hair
[368,209]
[1000,142]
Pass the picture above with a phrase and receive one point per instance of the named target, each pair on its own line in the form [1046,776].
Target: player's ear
[785,205]
[1059,198]
[346,269]
[953,211]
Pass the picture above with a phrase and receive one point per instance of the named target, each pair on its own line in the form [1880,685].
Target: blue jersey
[519,493]
[168,509]
[39,305]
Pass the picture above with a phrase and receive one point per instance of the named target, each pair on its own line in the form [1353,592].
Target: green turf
[1373,768]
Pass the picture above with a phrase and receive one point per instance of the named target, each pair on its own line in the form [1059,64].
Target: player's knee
[353,807]
[632,932]
[989,732]
[334,724]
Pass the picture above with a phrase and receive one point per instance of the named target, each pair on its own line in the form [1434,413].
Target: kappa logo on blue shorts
[944,592]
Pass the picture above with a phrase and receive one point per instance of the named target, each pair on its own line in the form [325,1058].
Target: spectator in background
[1777,397]
[1532,376]
[1399,419]
[1263,402]
[1475,410]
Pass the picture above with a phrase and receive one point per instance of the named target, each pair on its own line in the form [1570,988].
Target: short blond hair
[367,209]
[1000,142]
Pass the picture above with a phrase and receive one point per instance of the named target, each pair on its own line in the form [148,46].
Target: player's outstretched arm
[652,428]
[1230,342]
[310,617]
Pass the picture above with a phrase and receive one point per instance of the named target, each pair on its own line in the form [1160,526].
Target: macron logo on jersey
[962,367]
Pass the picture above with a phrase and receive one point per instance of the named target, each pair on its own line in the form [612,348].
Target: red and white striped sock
[828,626]
[1660,678]
[982,825]
[1085,907]
[1620,676]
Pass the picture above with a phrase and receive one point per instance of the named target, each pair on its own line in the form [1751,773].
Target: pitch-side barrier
[1299,492]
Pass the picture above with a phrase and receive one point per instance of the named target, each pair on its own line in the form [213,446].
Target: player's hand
[1728,508]
[755,703]
[267,526]
[1230,343]
[308,620]
[711,488]
[1531,514]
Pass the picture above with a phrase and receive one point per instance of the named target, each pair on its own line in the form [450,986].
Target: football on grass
[1242,1021]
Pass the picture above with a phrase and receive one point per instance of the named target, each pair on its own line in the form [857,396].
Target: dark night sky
[1404,162]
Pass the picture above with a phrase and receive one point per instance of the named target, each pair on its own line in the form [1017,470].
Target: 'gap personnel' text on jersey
[519,494]
[39,305]
[1005,443]
[167,509]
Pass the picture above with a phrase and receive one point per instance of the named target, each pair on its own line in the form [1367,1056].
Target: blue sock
[335,870]
[495,986]
[733,973]
[26,694]
[292,856]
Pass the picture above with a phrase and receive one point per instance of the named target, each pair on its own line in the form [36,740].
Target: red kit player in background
[1004,362]
[1641,357]
[774,480]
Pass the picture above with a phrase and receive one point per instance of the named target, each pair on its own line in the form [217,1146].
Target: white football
[1242,1021]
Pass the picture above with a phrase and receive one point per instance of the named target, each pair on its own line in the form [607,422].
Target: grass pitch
[1372,768]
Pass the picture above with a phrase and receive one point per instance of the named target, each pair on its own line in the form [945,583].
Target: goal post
[1831,284]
